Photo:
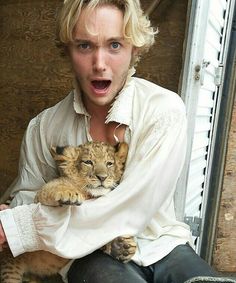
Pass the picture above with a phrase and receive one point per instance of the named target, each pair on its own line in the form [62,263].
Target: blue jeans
[177,267]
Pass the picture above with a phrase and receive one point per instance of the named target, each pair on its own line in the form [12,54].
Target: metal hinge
[219,75]
[195,224]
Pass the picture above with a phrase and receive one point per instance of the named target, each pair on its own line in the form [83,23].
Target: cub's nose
[102,178]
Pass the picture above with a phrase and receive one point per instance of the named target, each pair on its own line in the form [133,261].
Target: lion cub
[86,171]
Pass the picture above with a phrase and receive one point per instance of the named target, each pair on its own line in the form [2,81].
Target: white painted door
[203,72]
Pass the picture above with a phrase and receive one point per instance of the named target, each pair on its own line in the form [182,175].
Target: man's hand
[3,206]
[3,238]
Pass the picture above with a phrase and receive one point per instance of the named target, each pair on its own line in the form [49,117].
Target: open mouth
[101,85]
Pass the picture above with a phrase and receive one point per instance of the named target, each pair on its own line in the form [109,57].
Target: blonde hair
[137,28]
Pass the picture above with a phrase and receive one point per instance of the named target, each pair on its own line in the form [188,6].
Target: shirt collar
[121,108]
[78,102]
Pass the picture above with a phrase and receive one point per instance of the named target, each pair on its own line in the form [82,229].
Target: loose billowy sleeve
[36,166]
[156,155]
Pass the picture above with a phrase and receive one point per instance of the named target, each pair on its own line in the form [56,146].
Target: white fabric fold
[142,205]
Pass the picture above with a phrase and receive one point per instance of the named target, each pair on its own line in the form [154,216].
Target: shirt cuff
[10,229]
[19,228]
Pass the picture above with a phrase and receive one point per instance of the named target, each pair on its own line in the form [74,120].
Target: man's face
[100,56]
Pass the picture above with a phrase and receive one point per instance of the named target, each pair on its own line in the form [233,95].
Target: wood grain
[163,63]
[32,74]
[224,257]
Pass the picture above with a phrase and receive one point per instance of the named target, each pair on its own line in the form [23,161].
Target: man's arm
[153,168]
[36,165]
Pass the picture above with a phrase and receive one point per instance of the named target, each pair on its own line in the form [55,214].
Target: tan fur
[87,171]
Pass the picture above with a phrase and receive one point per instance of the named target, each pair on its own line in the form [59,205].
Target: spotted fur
[86,171]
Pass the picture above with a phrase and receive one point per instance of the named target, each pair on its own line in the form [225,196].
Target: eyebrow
[116,39]
[119,38]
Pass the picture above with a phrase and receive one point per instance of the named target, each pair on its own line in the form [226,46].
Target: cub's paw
[122,248]
[59,197]
[67,197]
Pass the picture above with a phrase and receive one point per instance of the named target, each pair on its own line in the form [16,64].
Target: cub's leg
[11,269]
[122,248]
[61,191]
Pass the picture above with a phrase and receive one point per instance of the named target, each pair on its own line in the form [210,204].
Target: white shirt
[142,205]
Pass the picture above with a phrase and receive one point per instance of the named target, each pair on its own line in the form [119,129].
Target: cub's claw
[68,202]
[121,248]
[69,198]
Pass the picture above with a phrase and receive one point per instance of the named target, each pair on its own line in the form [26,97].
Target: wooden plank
[32,75]
[224,257]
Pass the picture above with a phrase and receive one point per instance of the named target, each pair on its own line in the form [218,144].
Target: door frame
[195,38]
[221,142]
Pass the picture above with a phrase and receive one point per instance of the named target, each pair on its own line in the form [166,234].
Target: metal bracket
[200,71]
[219,74]
[195,224]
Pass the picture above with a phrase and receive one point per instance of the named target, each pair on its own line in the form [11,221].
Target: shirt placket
[87,127]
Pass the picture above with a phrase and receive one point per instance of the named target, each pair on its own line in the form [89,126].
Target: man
[103,40]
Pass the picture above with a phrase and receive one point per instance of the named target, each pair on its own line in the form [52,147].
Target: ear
[135,51]
[57,152]
[122,151]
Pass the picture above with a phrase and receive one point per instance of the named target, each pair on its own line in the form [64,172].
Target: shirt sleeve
[155,161]
[36,166]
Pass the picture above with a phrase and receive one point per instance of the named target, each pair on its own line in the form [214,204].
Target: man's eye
[82,46]
[88,162]
[115,45]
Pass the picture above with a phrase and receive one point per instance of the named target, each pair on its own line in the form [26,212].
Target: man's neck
[98,112]
[99,130]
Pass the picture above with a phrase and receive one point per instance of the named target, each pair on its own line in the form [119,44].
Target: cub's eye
[88,162]
[109,164]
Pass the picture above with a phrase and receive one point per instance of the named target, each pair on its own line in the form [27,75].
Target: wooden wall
[224,257]
[163,63]
[33,76]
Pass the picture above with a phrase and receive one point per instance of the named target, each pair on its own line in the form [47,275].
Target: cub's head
[96,166]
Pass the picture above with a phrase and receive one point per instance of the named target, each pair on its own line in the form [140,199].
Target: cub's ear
[66,153]
[122,151]
[57,152]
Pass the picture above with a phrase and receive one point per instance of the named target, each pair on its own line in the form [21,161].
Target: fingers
[3,207]
[3,238]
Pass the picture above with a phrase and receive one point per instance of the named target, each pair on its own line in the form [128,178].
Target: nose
[101,177]
[99,60]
